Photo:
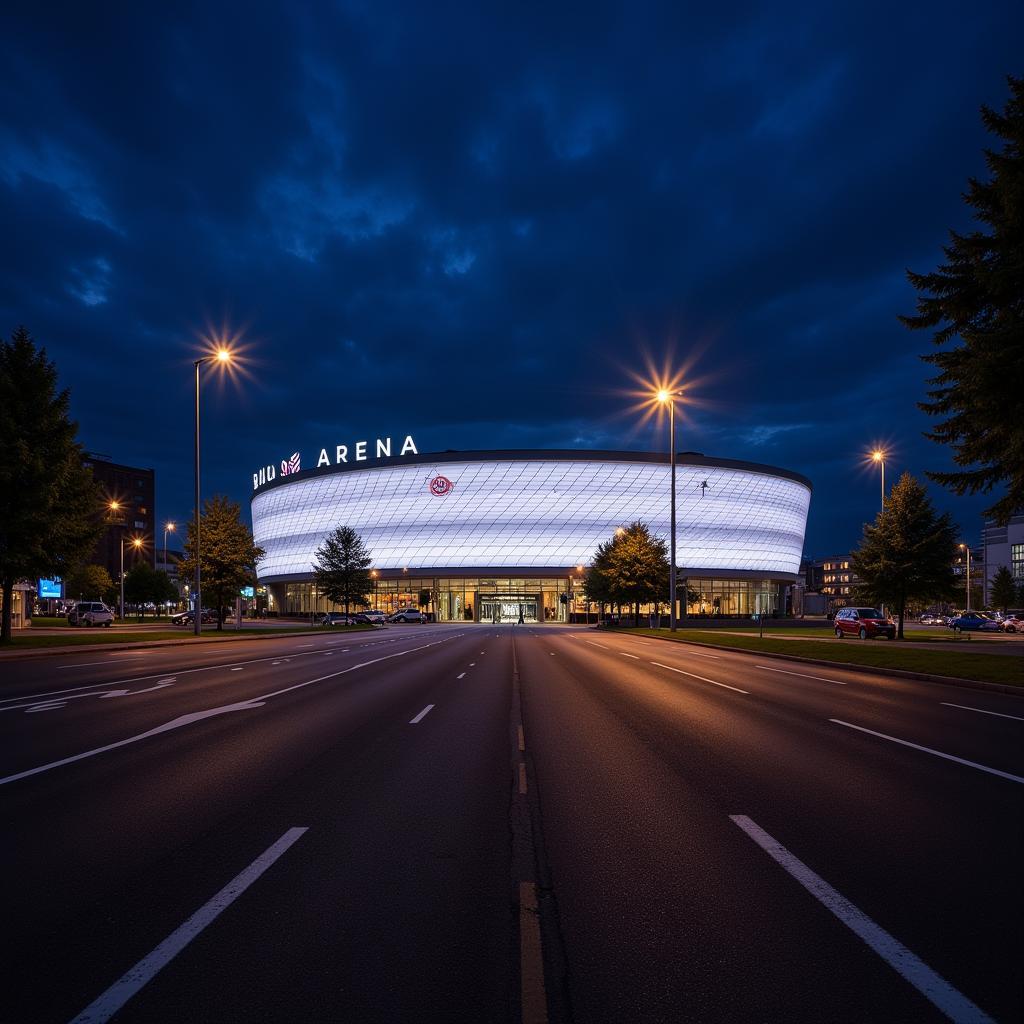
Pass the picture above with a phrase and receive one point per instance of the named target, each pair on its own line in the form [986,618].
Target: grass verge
[974,664]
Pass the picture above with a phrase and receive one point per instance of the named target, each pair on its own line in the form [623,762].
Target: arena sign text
[343,453]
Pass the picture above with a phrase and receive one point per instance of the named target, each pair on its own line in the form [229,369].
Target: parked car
[970,621]
[186,618]
[1013,624]
[407,615]
[336,619]
[90,613]
[929,619]
[375,618]
[867,623]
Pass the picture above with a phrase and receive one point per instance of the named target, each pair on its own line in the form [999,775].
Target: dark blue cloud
[473,225]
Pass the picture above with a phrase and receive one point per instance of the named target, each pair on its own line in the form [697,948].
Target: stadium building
[487,536]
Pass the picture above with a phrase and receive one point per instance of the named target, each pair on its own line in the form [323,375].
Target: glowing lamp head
[136,543]
[223,355]
[114,506]
[878,455]
[663,396]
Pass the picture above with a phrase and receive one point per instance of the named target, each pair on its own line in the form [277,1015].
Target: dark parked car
[866,623]
[408,615]
[187,618]
[974,621]
[336,619]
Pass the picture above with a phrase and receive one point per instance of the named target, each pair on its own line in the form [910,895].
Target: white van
[90,613]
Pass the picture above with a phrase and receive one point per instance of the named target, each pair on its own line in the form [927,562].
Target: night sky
[481,228]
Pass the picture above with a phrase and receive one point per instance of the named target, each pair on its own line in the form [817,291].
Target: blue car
[972,621]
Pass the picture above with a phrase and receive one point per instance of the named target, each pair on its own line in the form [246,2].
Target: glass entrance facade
[450,599]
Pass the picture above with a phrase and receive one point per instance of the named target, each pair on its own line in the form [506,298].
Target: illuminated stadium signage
[340,454]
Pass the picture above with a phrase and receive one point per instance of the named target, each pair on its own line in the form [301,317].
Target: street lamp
[171,527]
[666,397]
[966,547]
[221,357]
[878,455]
[136,543]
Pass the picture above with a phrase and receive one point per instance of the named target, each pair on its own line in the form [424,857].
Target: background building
[1002,546]
[486,535]
[838,581]
[134,490]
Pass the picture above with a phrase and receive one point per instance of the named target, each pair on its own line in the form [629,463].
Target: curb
[970,684]
[132,645]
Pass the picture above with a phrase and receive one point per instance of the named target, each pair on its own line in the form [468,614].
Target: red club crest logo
[292,465]
[440,485]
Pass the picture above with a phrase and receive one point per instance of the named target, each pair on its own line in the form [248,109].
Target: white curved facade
[523,515]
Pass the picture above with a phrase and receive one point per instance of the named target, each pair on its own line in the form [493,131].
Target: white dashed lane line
[982,711]
[704,679]
[934,753]
[423,714]
[625,655]
[460,675]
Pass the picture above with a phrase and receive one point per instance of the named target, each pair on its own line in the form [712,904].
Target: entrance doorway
[507,607]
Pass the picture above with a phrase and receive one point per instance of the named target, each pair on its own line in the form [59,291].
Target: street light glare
[223,355]
[878,455]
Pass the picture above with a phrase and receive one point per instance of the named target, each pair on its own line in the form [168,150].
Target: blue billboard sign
[50,588]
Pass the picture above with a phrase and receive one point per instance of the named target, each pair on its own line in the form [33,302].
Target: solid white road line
[423,714]
[55,693]
[633,656]
[804,675]
[701,654]
[103,1008]
[692,675]
[928,750]
[198,716]
[937,990]
[982,711]
[460,675]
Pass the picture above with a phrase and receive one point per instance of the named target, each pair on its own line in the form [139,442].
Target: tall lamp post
[136,543]
[171,527]
[967,548]
[878,455]
[222,356]
[668,398]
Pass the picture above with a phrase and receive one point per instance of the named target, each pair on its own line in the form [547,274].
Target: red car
[866,623]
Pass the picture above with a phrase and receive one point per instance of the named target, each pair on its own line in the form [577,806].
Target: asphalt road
[479,823]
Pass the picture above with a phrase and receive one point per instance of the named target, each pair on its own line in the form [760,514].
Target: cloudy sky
[480,224]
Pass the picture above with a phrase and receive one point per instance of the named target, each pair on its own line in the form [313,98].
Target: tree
[907,554]
[1003,589]
[342,568]
[50,506]
[229,554]
[977,295]
[144,584]
[85,582]
[631,568]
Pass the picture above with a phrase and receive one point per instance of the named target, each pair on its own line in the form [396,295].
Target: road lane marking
[693,675]
[197,716]
[934,988]
[175,723]
[593,644]
[982,711]
[522,738]
[928,750]
[532,995]
[88,664]
[53,693]
[238,669]
[701,654]
[472,663]
[423,714]
[522,777]
[633,656]
[460,675]
[804,675]
[115,997]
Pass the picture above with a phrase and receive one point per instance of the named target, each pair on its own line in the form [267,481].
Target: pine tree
[50,506]
[1003,589]
[977,295]
[342,568]
[229,555]
[906,555]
